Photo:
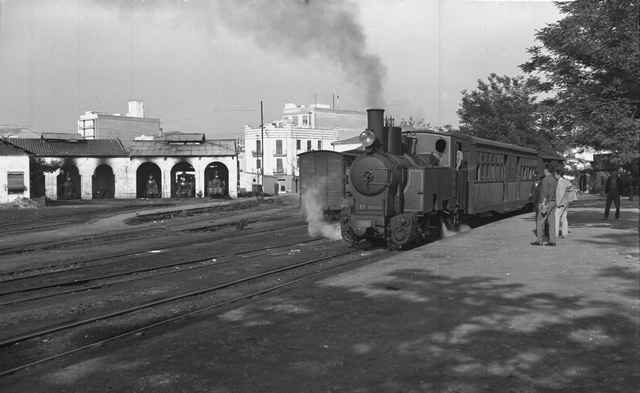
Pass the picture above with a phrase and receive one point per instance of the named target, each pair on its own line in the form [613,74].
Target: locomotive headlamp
[367,138]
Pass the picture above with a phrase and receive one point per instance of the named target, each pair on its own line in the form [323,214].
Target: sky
[204,65]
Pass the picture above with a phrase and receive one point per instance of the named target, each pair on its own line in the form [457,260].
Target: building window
[258,164]
[279,168]
[279,146]
[258,147]
[319,145]
[298,144]
[305,120]
[15,182]
[308,145]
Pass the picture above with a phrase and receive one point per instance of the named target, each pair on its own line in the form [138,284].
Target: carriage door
[505,188]
[462,177]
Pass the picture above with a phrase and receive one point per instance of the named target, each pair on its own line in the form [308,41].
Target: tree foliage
[39,165]
[506,109]
[589,64]
[412,123]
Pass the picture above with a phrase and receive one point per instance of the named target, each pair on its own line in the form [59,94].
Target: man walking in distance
[565,193]
[612,189]
[547,209]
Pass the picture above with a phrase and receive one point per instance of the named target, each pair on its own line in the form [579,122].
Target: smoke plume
[298,28]
[316,224]
[327,28]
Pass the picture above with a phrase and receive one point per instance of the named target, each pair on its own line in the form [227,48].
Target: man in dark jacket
[612,189]
[546,209]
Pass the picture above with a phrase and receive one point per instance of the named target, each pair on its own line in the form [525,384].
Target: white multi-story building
[300,129]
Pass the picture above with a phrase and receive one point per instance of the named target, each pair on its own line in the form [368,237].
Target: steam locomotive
[405,185]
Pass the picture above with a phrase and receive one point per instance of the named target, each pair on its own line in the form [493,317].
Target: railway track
[47,270]
[11,229]
[79,285]
[19,362]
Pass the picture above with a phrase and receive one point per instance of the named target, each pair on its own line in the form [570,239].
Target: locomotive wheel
[402,231]
[348,235]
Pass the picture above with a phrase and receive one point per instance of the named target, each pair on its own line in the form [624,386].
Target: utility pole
[261,147]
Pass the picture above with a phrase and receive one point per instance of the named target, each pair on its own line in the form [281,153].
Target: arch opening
[216,180]
[68,181]
[148,181]
[103,184]
[183,180]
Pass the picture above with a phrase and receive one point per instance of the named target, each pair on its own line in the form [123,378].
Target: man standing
[612,189]
[565,193]
[547,209]
[535,198]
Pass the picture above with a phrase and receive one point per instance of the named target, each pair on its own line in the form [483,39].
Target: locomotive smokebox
[375,122]
[395,141]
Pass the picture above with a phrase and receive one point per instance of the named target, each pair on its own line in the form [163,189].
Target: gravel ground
[482,311]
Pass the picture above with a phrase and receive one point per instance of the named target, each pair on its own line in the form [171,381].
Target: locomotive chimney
[394,144]
[375,122]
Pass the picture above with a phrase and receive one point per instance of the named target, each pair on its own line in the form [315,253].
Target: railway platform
[480,311]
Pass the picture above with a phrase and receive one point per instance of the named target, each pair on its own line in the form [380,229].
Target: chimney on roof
[136,108]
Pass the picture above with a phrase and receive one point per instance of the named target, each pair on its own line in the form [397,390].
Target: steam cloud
[316,225]
[446,232]
[300,28]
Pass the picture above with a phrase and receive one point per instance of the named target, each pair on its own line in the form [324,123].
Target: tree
[506,109]
[412,124]
[589,64]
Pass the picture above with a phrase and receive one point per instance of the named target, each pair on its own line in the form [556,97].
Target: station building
[300,129]
[70,167]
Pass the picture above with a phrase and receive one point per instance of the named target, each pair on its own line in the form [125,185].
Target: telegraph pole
[261,147]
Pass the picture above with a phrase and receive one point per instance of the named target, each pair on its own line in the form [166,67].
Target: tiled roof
[215,147]
[63,148]
[7,149]
[184,137]
[60,136]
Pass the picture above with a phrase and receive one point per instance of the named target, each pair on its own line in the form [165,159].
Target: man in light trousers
[565,193]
